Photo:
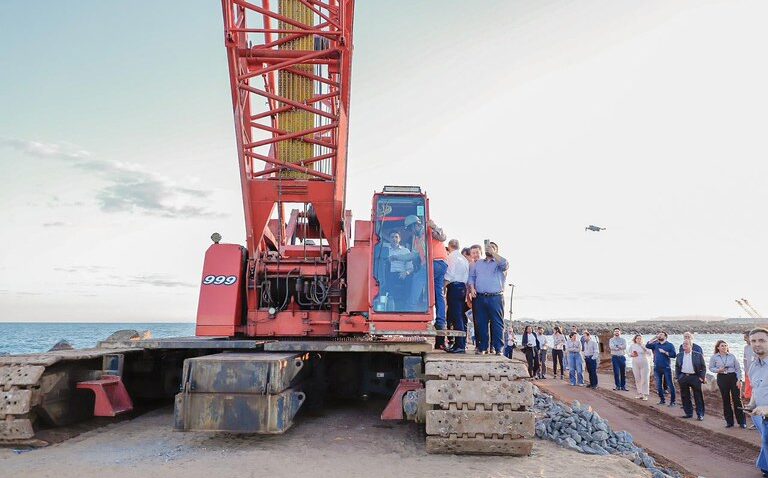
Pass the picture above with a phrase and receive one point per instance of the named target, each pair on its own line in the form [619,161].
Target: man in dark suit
[696,347]
[691,371]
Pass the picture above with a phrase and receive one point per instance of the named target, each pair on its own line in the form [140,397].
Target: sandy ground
[342,442]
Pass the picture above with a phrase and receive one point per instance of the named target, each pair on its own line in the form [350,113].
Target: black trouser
[557,356]
[533,360]
[687,383]
[591,364]
[456,298]
[729,390]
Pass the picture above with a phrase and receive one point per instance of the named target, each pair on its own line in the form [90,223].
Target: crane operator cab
[400,263]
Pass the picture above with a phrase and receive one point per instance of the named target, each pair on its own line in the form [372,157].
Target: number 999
[219,280]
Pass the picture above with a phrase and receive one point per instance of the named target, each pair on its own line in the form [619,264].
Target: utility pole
[511,295]
[508,323]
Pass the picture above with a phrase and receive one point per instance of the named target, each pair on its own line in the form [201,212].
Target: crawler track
[481,405]
[38,390]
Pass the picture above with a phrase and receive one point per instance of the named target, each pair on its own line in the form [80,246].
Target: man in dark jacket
[663,351]
[691,371]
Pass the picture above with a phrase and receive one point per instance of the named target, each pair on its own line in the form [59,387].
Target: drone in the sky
[594,228]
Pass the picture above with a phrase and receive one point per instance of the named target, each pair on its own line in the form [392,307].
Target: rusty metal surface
[482,405]
[415,406]
[238,372]
[15,402]
[49,358]
[15,429]
[478,446]
[19,375]
[417,333]
[485,423]
[514,394]
[477,366]
[216,343]
[413,367]
[348,346]
[237,412]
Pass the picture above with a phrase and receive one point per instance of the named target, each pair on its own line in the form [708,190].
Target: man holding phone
[486,287]
[663,351]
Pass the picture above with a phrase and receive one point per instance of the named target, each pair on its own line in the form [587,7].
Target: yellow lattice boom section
[297,88]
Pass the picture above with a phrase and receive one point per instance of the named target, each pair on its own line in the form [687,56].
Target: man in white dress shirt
[456,281]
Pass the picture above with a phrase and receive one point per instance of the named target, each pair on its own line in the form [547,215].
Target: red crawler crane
[265,308]
[300,275]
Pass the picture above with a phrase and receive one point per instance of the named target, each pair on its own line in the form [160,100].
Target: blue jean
[488,311]
[574,368]
[619,363]
[456,295]
[416,301]
[592,369]
[762,429]
[439,268]
[666,373]
[508,350]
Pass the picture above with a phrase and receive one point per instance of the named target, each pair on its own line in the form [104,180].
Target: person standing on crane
[456,292]
[486,288]
[414,230]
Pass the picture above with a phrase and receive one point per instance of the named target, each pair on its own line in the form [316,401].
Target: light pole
[511,294]
[508,323]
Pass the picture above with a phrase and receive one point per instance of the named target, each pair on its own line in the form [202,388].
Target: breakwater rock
[639,327]
[581,429]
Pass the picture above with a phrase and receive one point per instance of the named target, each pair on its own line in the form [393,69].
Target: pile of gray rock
[579,428]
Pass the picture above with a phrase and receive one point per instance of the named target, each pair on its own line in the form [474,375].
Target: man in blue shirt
[758,404]
[662,352]
[486,288]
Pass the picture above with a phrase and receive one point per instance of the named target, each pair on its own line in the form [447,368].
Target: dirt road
[344,442]
[699,448]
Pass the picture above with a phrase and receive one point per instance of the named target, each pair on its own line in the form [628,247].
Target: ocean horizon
[36,337]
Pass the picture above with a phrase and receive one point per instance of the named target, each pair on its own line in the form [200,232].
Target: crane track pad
[481,405]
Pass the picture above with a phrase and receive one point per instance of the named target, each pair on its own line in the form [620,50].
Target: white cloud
[45,150]
[102,276]
[130,187]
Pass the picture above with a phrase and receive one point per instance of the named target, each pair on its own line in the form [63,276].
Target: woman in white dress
[641,367]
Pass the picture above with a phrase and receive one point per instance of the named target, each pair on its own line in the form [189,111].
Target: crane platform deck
[410,345]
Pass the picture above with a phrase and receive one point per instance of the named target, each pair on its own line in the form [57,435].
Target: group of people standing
[469,279]
[570,353]
[473,283]
[737,379]
[685,365]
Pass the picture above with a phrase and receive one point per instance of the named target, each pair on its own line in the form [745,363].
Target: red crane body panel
[220,307]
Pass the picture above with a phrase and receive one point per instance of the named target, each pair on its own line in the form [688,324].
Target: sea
[35,337]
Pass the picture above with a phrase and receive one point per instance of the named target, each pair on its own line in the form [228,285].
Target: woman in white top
[558,347]
[641,368]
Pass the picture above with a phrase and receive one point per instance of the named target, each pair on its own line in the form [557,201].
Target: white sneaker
[645,398]
[638,397]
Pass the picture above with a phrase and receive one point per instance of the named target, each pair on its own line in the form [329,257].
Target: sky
[525,121]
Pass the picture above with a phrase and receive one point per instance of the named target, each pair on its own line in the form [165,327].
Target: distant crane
[594,228]
[751,311]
